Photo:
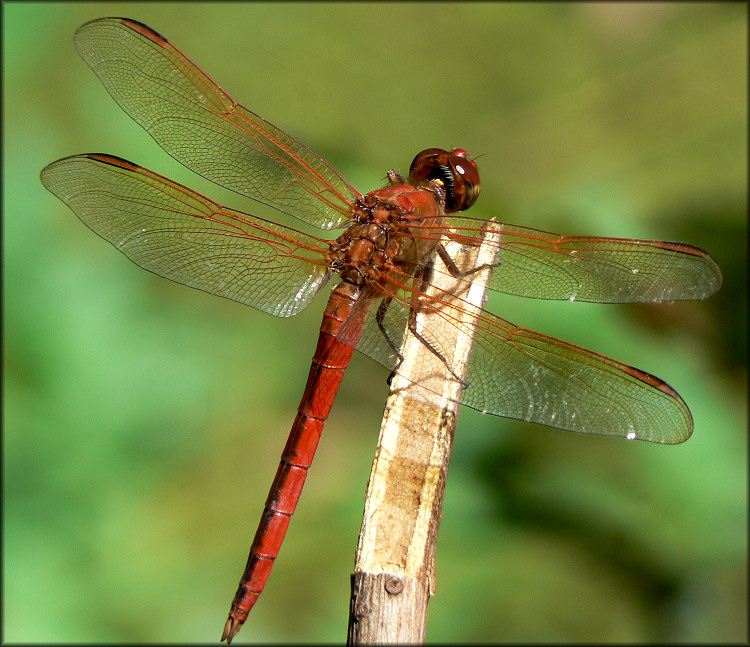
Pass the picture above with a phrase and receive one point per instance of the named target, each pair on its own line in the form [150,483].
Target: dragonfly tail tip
[231,628]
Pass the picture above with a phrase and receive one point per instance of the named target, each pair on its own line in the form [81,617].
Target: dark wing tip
[716,278]
[135,25]
[104,158]
[112,160]
[661,385]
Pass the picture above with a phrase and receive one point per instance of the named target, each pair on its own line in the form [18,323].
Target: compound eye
[457,173]
[466,184]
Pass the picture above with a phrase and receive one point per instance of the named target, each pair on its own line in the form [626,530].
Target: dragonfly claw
[230,629]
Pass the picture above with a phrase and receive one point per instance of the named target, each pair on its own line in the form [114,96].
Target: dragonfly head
[458,175]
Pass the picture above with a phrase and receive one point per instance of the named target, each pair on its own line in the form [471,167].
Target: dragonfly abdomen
[331,358]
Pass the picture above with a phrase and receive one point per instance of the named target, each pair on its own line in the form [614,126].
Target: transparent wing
[179,234]
[201,126]
[543,265]
[517,373]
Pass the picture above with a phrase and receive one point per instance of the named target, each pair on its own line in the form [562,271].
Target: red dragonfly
[383,256]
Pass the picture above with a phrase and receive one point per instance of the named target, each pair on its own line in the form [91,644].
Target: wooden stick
[394,573]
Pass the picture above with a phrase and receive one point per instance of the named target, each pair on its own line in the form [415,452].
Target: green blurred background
[143,421]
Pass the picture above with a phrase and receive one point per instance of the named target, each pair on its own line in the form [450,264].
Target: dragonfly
[384,250]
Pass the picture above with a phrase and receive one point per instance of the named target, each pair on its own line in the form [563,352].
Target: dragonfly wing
[196,122]
[520,374]
[525,375]
[534,263]
[179,234]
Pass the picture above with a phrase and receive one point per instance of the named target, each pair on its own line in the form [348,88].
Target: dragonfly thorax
[365,251]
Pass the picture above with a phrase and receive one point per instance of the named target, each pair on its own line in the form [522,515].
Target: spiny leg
[452,268]
[379,317]
[414,310]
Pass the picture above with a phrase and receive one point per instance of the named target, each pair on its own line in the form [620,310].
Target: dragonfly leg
[412,322]
[453,269]
[379,317]
[413,329]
